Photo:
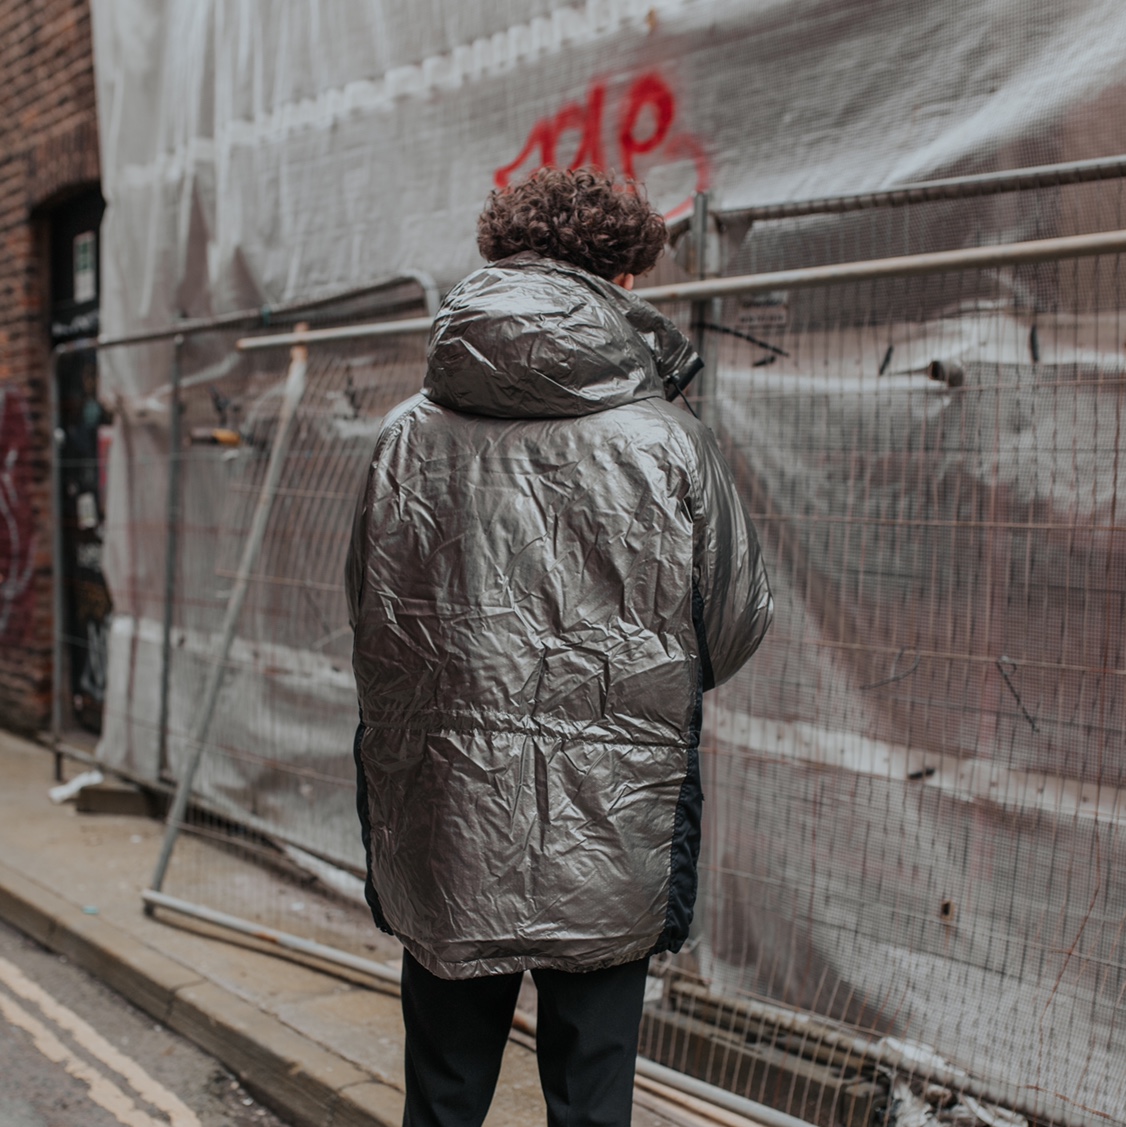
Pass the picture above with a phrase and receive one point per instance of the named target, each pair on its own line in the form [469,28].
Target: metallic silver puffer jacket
[549,564]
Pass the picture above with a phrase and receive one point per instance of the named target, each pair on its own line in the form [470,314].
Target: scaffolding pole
[900,266]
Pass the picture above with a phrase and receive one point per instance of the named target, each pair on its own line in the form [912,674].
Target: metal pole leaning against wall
[171,548]
[291,400]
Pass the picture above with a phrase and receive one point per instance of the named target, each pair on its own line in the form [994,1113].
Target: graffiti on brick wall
[643,126]
[17,516]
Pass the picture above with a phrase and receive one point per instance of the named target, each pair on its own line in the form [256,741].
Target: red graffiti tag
[17,516]
[648,92]
[645,125]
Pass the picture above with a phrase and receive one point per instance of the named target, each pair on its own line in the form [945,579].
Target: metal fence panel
[914,790]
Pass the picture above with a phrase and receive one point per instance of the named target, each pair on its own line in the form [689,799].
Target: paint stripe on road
[153,1093]
[103,1091]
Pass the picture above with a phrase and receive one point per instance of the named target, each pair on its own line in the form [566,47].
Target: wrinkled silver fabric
[520,584]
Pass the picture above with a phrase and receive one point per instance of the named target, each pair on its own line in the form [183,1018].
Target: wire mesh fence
[276,782]
[911,895]
[916,789]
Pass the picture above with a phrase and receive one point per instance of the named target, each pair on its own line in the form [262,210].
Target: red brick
[48,146]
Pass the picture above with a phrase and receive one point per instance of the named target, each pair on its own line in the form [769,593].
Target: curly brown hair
[581,216]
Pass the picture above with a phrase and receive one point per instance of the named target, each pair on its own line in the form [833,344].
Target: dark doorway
[83,456]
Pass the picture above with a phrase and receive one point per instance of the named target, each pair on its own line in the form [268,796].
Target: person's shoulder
[676,418]
[689,437]
[678,429]
[398,416]
[400,411]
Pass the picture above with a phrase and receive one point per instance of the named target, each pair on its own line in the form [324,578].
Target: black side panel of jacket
[683,878]
[370,894]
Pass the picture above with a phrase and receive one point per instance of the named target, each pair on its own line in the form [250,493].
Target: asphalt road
[74,1054]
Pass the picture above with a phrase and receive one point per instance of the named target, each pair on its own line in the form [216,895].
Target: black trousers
[586,1044]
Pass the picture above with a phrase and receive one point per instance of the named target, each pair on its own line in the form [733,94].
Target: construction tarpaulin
[256,152]
[914,786]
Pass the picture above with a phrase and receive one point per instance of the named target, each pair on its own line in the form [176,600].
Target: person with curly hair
[550,564]
[583,218]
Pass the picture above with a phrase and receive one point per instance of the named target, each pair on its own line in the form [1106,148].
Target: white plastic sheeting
[261,151]
[947,569]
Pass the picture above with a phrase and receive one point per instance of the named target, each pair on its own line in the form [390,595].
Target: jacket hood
[529,337]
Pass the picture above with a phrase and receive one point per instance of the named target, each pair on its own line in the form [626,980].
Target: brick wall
[48,147]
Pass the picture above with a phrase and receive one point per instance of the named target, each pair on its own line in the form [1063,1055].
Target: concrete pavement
[321,1050]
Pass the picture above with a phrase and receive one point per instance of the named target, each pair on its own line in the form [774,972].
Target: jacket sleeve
[354,564]
[732,595]
[356,560]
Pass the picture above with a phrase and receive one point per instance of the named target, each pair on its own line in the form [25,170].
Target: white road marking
[102,1091]
[179,1114]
